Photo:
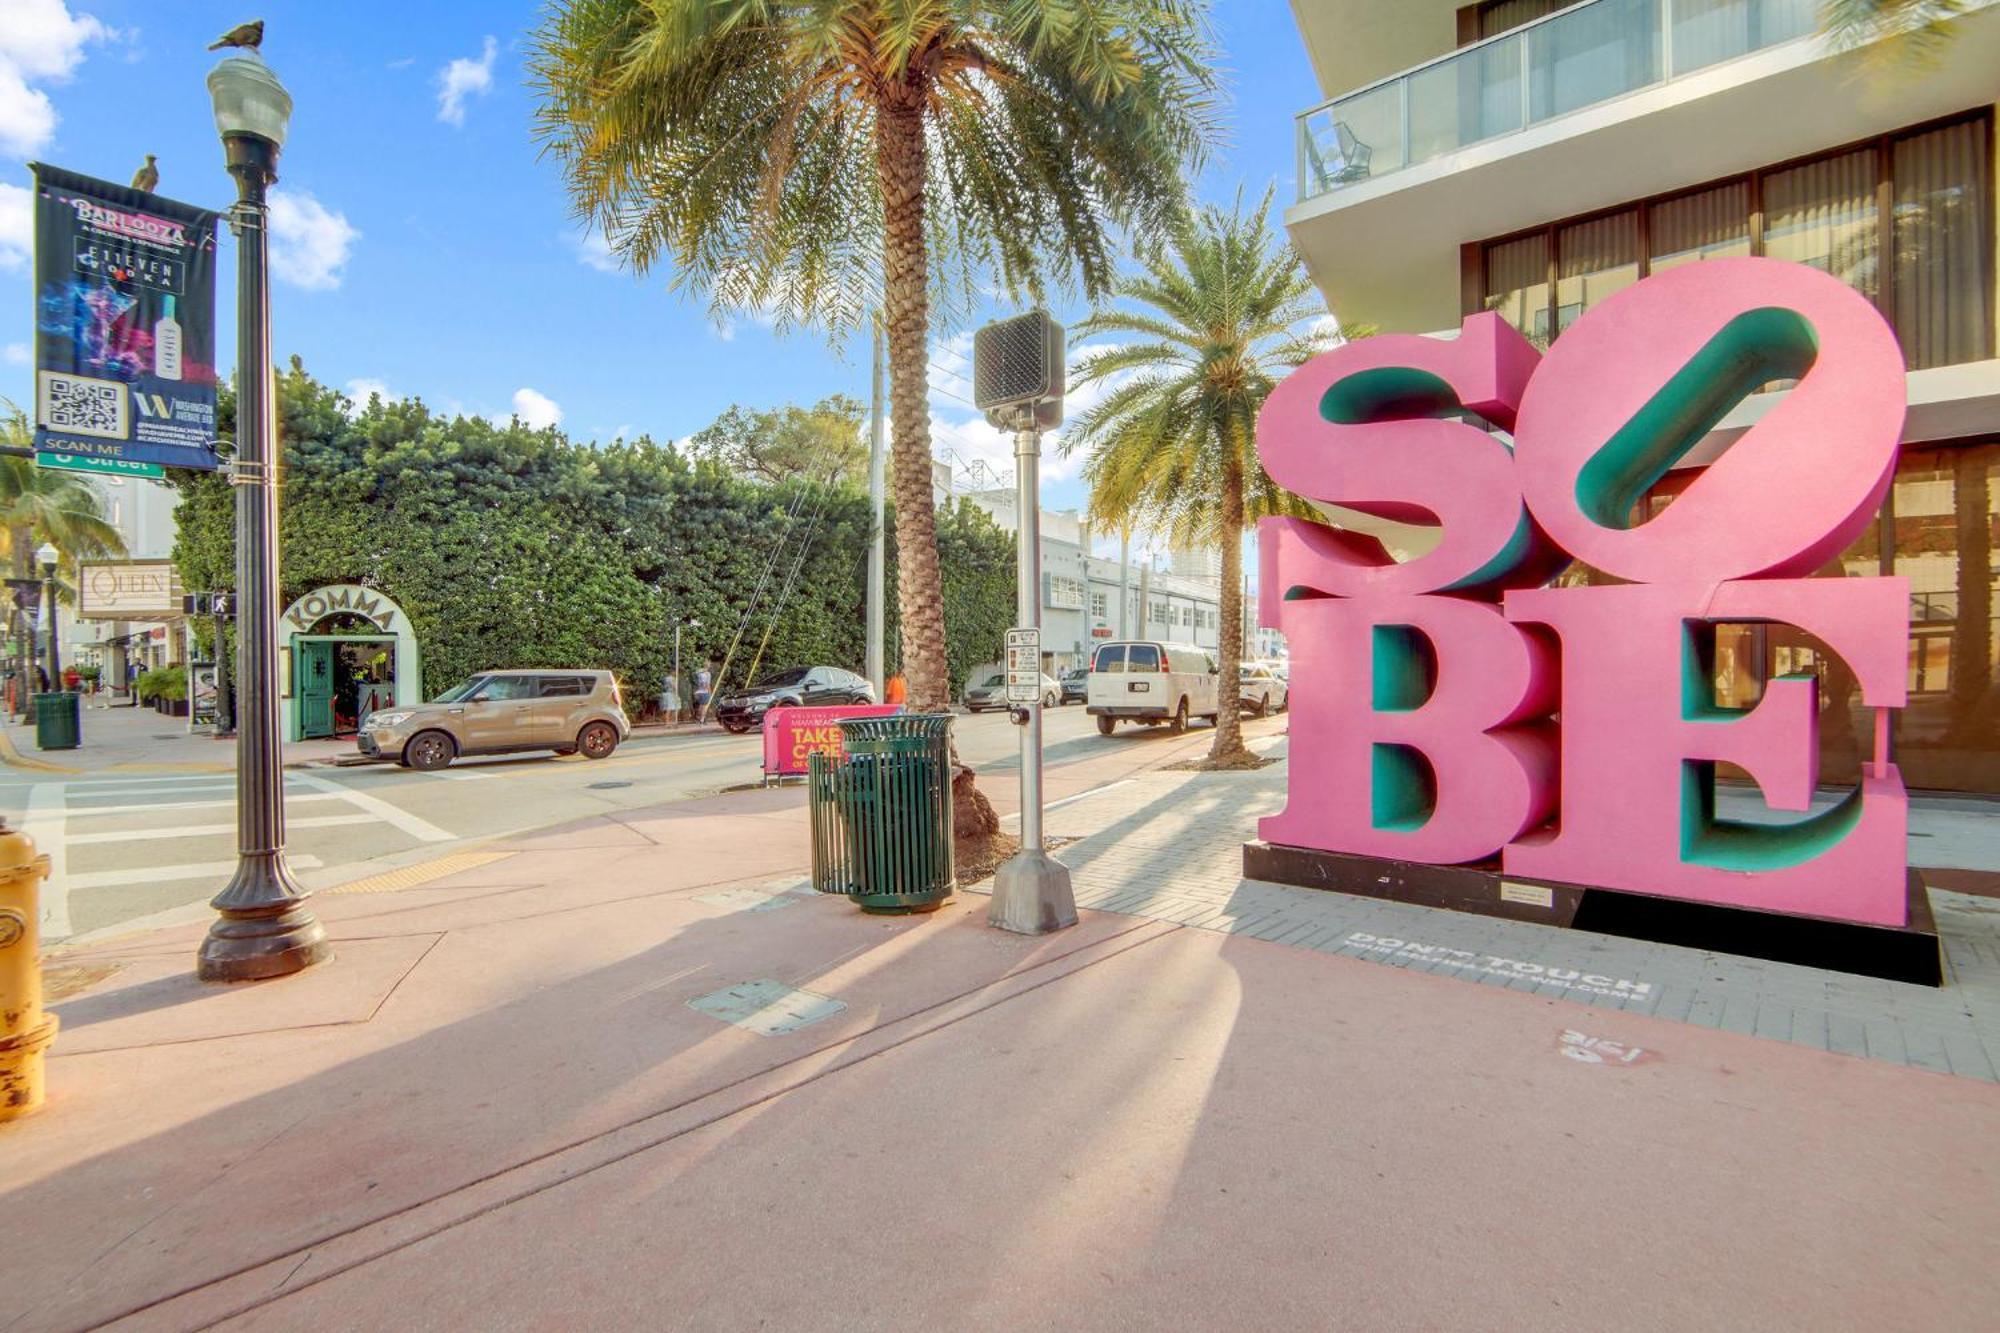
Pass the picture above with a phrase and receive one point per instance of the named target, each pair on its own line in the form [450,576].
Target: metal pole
[1031,889]
[1125,582]
[225,705]
[878,553]
[677,673]
[49,614]
[264,928]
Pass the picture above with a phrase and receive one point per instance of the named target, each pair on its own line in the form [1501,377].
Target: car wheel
[734,728]
[1051,701]
[1264,706]
[1180,718]
[429,750]
[1105,724]
[597,740]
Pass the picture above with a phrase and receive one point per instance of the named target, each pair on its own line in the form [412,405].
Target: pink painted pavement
[495,1109]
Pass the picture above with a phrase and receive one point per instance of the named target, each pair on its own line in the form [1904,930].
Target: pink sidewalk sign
[792,734]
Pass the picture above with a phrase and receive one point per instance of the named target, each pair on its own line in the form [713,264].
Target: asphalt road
[139,849]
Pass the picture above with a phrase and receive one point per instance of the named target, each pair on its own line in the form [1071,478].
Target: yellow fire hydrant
[25,1032]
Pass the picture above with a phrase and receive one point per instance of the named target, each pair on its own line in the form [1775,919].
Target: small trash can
[58,720]
[881,817]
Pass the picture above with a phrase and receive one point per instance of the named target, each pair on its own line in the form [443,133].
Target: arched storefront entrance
[347,650]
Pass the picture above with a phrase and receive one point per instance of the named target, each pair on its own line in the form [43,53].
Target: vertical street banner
[124,326]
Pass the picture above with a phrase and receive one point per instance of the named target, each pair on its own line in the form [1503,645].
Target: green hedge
[515,547]
[167,682]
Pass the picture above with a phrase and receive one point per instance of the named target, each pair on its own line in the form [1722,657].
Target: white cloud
[362,386]
[309,241]
[17,226]
[17,354]
[461,79]
[592,250]
[537,410]
[40,41]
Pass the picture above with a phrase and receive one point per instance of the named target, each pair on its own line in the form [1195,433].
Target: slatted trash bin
[881,817]
[58,720]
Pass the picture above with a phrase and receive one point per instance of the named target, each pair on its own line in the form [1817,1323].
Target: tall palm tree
[1217,311]
[1912,32]
[38,505]
[818,159]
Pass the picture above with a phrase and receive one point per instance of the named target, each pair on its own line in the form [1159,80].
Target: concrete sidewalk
[624,1074]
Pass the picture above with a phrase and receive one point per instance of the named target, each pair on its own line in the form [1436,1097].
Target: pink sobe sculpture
[1427,693]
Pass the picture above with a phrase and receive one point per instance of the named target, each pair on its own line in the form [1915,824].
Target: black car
[1076,685]
[810,687]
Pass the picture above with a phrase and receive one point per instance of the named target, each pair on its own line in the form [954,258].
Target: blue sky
[423,247]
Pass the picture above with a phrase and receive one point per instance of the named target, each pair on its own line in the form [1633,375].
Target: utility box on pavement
[58,720]
[881,817]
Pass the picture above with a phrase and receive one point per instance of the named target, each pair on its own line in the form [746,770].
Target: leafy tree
[822,160]
[1218,312]
[822,441]
[514,547]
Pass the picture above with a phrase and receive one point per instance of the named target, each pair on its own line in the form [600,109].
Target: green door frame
[297,731]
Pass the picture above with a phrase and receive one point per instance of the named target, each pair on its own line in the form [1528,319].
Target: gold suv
[502,712]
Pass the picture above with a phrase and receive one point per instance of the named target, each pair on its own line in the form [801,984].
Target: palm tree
[1218,310]
[1911,32]
[818,160]
[38,505]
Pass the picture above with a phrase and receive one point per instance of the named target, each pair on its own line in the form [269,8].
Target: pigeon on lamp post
[246,35]
[147,177]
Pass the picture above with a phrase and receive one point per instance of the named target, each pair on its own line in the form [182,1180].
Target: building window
[1926,193]
[1062,592]
[1100,606]
[1156,613]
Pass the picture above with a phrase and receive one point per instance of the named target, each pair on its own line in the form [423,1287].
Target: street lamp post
[50,560]
[263,928]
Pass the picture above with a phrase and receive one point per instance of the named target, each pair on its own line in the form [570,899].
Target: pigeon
[147,178]
[250,35]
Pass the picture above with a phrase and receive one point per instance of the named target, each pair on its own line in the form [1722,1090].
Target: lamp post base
[263,929]
[1031,894]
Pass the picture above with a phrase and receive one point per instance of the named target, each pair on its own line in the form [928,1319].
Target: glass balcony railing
[1577,57]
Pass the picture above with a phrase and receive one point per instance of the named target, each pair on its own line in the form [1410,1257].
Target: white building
[1533,157]
[1088,598]
[143,513]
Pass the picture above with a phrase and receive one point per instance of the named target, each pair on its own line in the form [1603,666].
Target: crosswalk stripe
[205,830]
[291,798]
[420,829]
[111,879]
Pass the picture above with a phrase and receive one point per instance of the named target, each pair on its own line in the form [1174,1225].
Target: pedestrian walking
[703,683]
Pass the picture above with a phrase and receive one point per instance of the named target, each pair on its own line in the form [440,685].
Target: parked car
[1264,690]
[1076,685]
[503,712]
[1151,682]
[990,691]
[799,687]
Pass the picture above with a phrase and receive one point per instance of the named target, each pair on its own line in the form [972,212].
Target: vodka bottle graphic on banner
[167,343]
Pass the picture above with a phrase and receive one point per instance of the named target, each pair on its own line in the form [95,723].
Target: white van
[1151,682]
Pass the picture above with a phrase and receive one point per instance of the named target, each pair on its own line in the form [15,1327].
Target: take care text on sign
[791,735]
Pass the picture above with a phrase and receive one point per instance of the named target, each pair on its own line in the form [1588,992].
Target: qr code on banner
[77,405]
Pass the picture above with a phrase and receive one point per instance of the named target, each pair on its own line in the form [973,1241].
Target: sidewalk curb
[13,758]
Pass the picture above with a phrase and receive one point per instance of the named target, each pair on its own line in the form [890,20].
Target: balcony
[1589,109]
[1571,60]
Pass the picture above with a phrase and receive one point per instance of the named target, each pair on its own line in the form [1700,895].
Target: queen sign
[1454,706]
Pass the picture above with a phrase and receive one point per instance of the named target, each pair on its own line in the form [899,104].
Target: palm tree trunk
[1228,743]
[900,168]
[19,540]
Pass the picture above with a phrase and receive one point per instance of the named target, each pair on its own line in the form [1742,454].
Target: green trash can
[881,817]
[58,720]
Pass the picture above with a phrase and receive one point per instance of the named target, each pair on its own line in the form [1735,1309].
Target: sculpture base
[1898,953]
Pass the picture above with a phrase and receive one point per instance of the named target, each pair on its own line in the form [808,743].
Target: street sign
[1024,666]
[116,467]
